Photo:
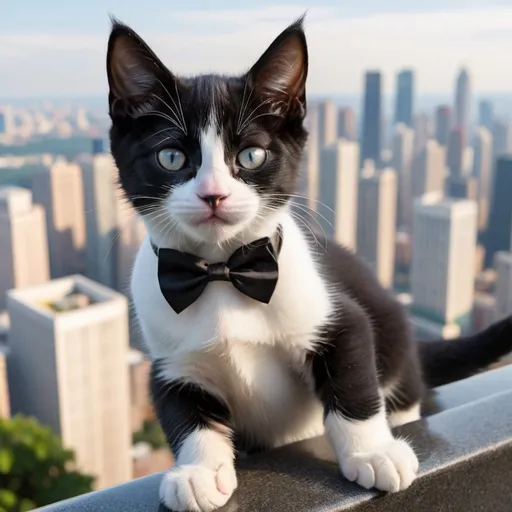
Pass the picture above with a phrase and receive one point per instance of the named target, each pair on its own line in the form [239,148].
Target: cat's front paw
[197,488]
[388,467]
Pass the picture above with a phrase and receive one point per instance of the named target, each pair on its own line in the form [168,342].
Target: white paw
[197,488]
[389,467]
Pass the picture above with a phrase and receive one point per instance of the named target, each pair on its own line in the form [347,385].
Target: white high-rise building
[482,171]
[327,123]
[310,159]
[300,201]
[376,222]
[463,100]
[8,126]
[503,293]
[443,260]
[60,190]
[99,175]
[131,235]
[423,130]
[403,148]
[5,406]
[502,139]
[23,243]
[67,367]
[337,207]
[429,169]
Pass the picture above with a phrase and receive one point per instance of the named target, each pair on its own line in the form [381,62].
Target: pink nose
[213,200]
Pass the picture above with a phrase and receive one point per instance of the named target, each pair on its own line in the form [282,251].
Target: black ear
[280,74]
[134,72]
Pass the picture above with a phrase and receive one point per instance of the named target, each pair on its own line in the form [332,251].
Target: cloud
[342,47]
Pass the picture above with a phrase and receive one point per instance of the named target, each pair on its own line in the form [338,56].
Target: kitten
[210,163]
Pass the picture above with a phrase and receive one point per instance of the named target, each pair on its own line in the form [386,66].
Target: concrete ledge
[464,447]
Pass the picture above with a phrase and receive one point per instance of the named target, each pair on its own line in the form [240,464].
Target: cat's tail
[446,361]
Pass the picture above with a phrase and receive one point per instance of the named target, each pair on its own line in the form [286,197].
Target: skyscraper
[443,124]
[300,199]
[486,114]
[403,147]
[456,145]
[404,97]
[131,235]
[372,118]
[99,175]
[482,171]
[68,368]
[376,222]
[503,294]
[60,190]
[443,261]
[97,146]
[502,139]
[327,123]
[140,402]
[462,187]
[23,243]
[5,407]
[422,130]
[484,311]
[311,158]
[497,237]
[347,124]
[429,169]
[6,120]
[463,101]
[338,191]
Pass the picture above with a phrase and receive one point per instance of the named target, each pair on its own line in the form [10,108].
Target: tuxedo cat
[261,332]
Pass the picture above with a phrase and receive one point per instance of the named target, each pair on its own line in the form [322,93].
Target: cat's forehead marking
[212,146]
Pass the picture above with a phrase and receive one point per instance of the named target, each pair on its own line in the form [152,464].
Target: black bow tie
[252,269]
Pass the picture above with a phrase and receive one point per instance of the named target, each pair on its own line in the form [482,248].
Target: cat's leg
[197,428]
[404,396]
[345,374]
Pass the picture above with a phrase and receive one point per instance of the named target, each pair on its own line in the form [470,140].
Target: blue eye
[171,159]
[252,158]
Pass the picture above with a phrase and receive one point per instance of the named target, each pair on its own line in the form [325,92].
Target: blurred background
[409,162]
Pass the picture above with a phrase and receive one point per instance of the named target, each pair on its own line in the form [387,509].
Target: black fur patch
[367,345]
[186,405]
[158,110]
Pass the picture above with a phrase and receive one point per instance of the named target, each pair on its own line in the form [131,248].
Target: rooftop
[433,204]
[14,200]
[66,295]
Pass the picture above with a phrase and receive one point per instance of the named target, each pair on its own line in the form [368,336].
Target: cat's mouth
[211,219]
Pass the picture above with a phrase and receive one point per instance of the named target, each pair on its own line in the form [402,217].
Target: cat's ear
[134,72]
[279,76]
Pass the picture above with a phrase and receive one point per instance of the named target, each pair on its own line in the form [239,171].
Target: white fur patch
[204,477]
[206,447]
[184,206]
[369,455]
[398,418]
[247,353]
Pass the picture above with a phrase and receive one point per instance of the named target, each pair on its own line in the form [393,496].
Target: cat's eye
[252,158]
[171,159]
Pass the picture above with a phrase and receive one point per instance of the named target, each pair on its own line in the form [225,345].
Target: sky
[51,48]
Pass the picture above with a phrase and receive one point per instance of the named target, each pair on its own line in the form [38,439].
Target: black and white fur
[332,350]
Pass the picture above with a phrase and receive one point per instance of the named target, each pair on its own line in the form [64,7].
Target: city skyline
[426,208]
[434,38]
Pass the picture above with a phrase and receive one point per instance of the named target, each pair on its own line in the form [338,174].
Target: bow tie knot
[218,272]
[252,270]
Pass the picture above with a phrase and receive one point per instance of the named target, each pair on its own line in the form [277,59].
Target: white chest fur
[249,353]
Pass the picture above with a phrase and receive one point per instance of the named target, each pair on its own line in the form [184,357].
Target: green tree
[151,433]
[35,469]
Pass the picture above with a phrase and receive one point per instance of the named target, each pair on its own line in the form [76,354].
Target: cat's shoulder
[345,270]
